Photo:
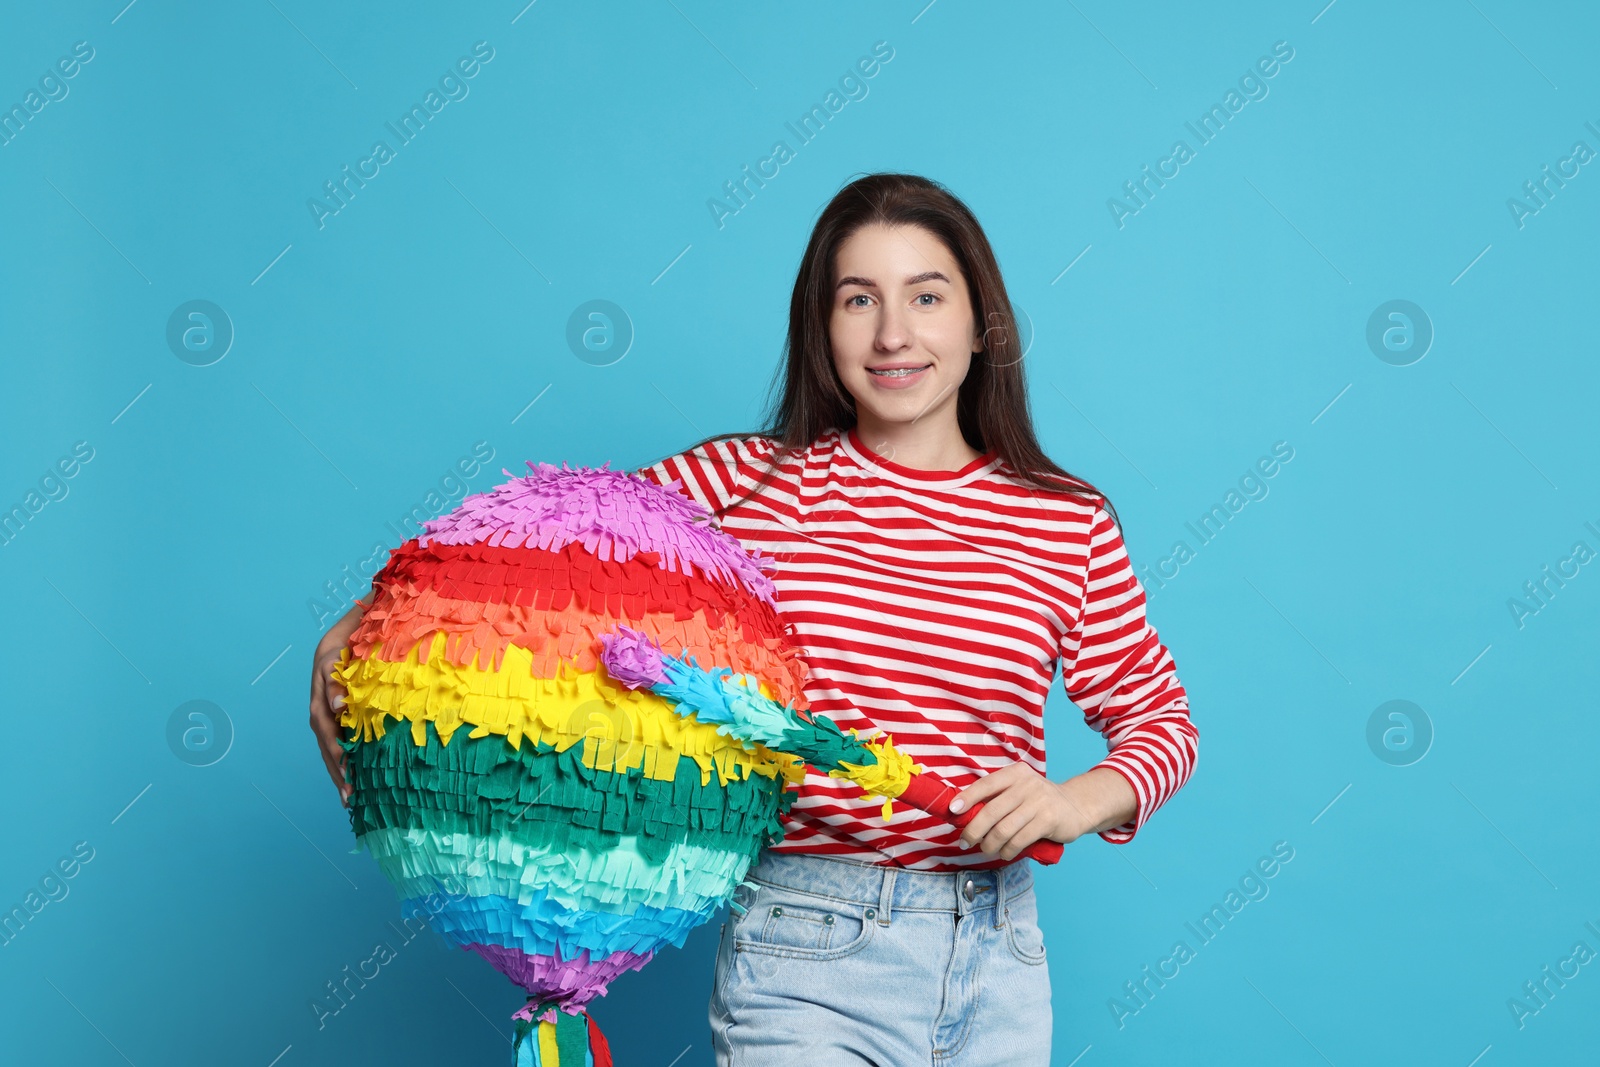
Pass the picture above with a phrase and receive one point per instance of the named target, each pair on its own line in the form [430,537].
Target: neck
[922,444]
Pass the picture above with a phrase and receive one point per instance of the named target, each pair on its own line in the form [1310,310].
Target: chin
[893,414]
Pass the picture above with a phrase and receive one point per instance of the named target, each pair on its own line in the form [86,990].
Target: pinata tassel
[569,1041]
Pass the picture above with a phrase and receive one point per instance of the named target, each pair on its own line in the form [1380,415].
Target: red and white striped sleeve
[709,472]
[1117,671]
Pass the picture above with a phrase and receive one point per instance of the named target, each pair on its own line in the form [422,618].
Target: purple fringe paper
[614,515]
[577,981]
[632,658]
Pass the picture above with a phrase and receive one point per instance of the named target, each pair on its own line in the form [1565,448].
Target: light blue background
[1227,315]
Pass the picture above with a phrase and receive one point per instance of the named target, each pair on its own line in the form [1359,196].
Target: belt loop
[1004,880]
[1023,883]
[885,896]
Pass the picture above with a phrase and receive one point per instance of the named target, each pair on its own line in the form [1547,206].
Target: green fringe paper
[548,799]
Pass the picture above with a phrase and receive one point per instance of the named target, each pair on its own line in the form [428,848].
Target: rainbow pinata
[581,823]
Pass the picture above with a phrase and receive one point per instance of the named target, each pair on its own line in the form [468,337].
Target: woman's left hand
[1021,806]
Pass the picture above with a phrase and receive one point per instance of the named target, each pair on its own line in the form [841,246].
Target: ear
[980,342]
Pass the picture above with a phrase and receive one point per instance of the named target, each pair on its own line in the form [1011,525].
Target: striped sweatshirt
[937,607]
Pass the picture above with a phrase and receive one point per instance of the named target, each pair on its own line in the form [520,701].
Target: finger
[1023,829]
[994,809]
[333,759]
[340,771]
[325,724]
[1032,816]
[337,772]
[327,700]
[1004,829]
[1034,831]
[333,754]
[328,695]
[984,788]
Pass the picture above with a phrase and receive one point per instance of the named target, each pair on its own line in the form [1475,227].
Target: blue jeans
[836,962]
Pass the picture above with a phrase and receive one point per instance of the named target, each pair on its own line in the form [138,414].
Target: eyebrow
[915,279]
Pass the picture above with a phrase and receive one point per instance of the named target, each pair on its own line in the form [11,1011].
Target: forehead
[888,255]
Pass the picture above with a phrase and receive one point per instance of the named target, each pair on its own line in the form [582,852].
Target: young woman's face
[901,302]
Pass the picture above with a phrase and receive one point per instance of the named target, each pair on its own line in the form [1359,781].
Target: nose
[892,332]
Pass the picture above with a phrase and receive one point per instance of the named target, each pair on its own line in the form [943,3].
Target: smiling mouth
[899,372]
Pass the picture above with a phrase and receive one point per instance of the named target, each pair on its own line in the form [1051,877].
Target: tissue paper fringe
[612,514]
[543,927]
[557,605]
[745,710]
[544,578]
[543,799]
[886,774]
[635,727]
[572,984]
[477,636]
[618,880]
[632,838]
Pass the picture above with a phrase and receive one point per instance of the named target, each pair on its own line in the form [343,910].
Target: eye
[851,302]
[932,296]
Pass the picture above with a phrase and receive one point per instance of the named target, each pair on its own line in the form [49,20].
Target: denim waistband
[892,888]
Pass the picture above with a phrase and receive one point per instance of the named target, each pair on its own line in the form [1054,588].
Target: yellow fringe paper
[623,729]
[886,778]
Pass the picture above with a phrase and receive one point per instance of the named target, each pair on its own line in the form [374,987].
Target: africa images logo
[452,87]
[1211,123]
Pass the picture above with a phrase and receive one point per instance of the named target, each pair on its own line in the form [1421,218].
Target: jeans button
[968,891]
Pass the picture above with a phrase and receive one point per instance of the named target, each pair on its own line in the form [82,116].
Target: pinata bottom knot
[549,1037]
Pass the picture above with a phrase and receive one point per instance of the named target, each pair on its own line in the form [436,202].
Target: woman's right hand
[327,698]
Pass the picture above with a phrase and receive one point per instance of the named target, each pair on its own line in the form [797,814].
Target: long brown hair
[807,398]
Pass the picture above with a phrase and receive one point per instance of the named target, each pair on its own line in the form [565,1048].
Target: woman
[937,568]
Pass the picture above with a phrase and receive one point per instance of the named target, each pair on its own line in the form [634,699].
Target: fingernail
[965,845]
[957,805]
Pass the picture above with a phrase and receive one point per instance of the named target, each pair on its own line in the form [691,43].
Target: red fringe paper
[544,579]
[555,604]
